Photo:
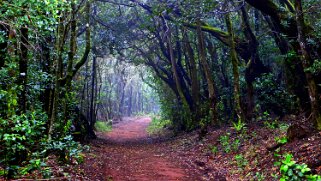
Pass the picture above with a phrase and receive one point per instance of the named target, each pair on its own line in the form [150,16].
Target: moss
[216,32]
[318,123]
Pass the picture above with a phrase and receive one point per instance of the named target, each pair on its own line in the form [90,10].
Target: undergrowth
[25,147]
[102,126]
[157,125]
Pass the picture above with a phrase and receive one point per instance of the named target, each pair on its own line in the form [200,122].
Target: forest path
[128,153]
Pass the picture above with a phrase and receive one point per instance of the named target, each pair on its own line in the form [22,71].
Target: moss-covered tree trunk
[208,75]
[58,74]
[306,63]
[236,74]
[174,66]
[64,80]
[92,120]
[293,70]
[193,70]
[71,54]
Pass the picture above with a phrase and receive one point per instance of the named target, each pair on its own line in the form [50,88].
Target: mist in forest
[121,89]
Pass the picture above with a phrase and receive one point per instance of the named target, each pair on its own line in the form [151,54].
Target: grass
[102,126]
[157,125]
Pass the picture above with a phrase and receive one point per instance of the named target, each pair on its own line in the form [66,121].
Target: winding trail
[128,153]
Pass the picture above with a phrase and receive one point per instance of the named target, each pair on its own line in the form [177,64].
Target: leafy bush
[214,149]
[273,124]
[24,145]
[259,176]
[239,125]
[157,125]
[225,142]
[65,148]
[281,140]
[179,114]
[240,161]
[20,137]
[229,145]
[290,170]
[272,97]
[102,126]
[236,144]
[178,111]
[315,68]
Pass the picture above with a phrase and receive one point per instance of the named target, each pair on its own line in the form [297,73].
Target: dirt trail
[128,153]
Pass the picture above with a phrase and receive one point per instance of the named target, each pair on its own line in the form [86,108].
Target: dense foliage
[223,60]
[29,51]
[65,64]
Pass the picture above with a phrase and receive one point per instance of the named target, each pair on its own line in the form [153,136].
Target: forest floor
[129,153]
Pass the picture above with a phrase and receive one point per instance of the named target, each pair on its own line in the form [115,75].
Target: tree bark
[23,69]
[190,58]
[236,75]
[61,80]
[208,75]
[306,63]
[293,70]
[71,54]
[58,73]
[92,120]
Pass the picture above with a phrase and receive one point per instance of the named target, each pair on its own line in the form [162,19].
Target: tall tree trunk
[142,99]
[46,66]
[294,73]
[71,54]
[236,75]
[129,109]
[92,97]
[306,62]
[208,75]
[174,65]
[71,70]
[23,69]
[55,98]
[254,67]
[195,87]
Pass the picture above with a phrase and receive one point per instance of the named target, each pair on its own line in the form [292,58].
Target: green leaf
[277,163]
[284,168]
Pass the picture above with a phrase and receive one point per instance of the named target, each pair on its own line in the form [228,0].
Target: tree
[306,63]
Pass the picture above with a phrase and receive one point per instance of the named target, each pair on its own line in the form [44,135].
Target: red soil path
[128,153]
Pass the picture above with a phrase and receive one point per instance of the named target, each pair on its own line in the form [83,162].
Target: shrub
[273,97]
[241,161]
[102,126]
[213,149]
[225,142]
[236,144]
[281,140]
[290,170]
[24,145]
[239,125]
[157,125]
